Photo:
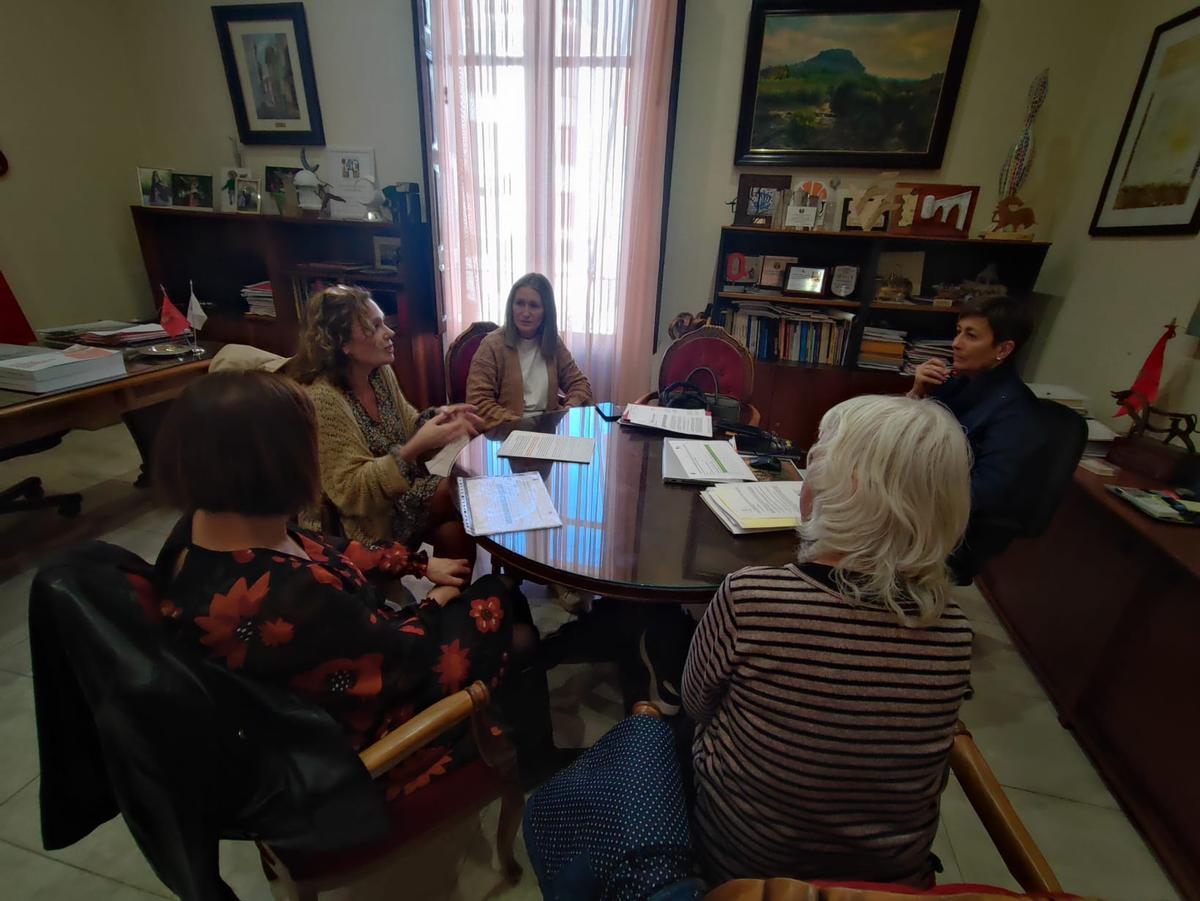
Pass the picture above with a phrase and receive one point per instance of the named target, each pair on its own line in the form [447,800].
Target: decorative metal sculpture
[1179,425]
[1010,211]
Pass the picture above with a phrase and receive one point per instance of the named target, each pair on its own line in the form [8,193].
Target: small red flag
[1150,374]
[173,322]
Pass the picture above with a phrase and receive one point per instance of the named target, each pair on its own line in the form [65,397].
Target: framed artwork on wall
[1153,182]
[864,83]
[268,66]
[759,198]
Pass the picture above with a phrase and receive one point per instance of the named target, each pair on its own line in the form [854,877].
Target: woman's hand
[447,571]
[929,375]
[443,595]
[437,432]
[469,412]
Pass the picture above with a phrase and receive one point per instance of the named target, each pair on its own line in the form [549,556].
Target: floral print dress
[318,627]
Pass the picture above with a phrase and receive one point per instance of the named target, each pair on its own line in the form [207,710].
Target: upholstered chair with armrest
[190,752]
[458,358]
[715,362]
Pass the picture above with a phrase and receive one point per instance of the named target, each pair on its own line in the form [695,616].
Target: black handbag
[686,395]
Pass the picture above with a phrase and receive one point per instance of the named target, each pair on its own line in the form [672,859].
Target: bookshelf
[793,395]
[222,252]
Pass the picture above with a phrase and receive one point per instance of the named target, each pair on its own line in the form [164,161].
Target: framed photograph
[864,83]
[937,211]
[225,182]
[249,197]
[389,252]
[350,172]
[155,186]
[194,192]
[1153,182]
[804,280]
[848,222]
[759,198]
[773,269]
[268,66]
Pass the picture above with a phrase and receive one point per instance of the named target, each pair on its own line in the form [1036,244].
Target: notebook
[494,505]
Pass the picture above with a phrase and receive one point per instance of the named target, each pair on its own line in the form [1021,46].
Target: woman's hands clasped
[449,424]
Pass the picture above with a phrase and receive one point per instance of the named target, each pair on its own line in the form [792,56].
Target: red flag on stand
[1150,374]
[173,322]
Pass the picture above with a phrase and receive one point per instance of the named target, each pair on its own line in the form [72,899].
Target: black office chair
[28,494]
[1065,436]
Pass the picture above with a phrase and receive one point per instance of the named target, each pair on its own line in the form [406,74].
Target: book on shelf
[882,348]
[37,370]
[918,350]
[791,334]
[260,299]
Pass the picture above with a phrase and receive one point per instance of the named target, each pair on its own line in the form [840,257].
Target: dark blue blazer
[1003,425]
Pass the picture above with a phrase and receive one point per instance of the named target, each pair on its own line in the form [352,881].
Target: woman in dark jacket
[1001,418]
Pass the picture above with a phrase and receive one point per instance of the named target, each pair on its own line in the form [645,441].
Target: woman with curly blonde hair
[826,692]
[372,442]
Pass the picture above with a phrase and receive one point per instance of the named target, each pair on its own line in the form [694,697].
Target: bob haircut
[541,284]
[239,442]
[1007,317]
[329,320]
[889,479]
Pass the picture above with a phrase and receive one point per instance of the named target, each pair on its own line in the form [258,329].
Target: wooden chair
[1021,855]
[714,349]
[457,794]
[458,358]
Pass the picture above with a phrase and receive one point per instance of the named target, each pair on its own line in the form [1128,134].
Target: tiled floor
[1089,842]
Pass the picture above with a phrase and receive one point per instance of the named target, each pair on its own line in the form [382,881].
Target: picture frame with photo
[350,172]
[191,191]
[805,281]
[773,269]
[225,182]
[389,252]
[759,199]
[269,71]
[154,185]
[249,195]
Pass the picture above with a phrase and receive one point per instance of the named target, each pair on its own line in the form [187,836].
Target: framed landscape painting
[268,65]
[864,83]
[1153,181]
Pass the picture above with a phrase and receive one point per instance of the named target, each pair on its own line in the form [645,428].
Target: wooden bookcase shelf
[220,253]
[792,396]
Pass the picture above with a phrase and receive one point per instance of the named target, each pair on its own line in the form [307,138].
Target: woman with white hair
[825,692]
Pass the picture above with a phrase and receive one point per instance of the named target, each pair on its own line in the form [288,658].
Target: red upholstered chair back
[713,348]
[458,358]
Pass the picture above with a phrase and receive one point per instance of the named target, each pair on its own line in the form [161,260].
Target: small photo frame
[389,252]
[759,199]
[807,281]
[192,192]
[225,182]
[248,196]
[849,222]
[773,269]
[155,186]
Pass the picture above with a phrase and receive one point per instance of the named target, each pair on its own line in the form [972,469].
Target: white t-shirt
[534,375]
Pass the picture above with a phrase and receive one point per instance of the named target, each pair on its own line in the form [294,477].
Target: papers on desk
[493,505]
[668,419]
[703,462]
[540,446]
[38,370]
[745,508]
[442,462]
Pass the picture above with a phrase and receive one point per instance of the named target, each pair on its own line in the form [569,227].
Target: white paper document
[442,462]
[493,505]
[755,507]
[706,462]
[540,446]
[669,419]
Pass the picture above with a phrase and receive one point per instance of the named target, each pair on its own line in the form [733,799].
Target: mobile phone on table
[609,411]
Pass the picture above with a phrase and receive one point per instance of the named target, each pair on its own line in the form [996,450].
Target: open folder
[703,462]
[750,507]
[492,505]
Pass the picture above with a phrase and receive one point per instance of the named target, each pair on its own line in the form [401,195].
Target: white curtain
[550,125]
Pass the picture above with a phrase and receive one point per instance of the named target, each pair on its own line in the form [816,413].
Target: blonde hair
[889,479]
[329,320]
[549,328]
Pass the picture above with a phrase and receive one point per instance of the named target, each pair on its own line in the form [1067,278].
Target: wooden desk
[1105,606]
[134,399]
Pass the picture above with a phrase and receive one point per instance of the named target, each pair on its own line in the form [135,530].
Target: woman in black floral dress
[283,605]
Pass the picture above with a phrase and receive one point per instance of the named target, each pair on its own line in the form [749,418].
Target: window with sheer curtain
[548,143]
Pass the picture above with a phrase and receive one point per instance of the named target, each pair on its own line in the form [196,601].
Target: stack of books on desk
[918,350]
[882,348]
[38,370]
[260,299]
[104,333]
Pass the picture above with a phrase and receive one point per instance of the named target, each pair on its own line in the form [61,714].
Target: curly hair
[329,321]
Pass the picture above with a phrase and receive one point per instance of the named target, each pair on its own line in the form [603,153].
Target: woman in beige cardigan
[372,443]
[523,367]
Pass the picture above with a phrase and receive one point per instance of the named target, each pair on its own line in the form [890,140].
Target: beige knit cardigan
[362,486]
[495,386]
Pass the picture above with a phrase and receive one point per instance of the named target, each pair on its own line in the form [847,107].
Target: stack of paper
[755,506]
[260,299]
[703,462]
[882,348]
[1100,439]
[1100,436]
[668,419]
[492,505]
[540,446]
[126,336]
[919,350]
[38,370]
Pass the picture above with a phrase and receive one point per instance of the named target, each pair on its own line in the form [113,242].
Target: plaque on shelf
[806,280]
[844,281]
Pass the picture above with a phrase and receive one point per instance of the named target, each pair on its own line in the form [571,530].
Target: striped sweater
[824,730]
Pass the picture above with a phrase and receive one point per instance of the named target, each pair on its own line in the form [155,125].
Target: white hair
[889,479]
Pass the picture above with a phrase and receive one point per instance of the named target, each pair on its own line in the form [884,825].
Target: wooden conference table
[625,534]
